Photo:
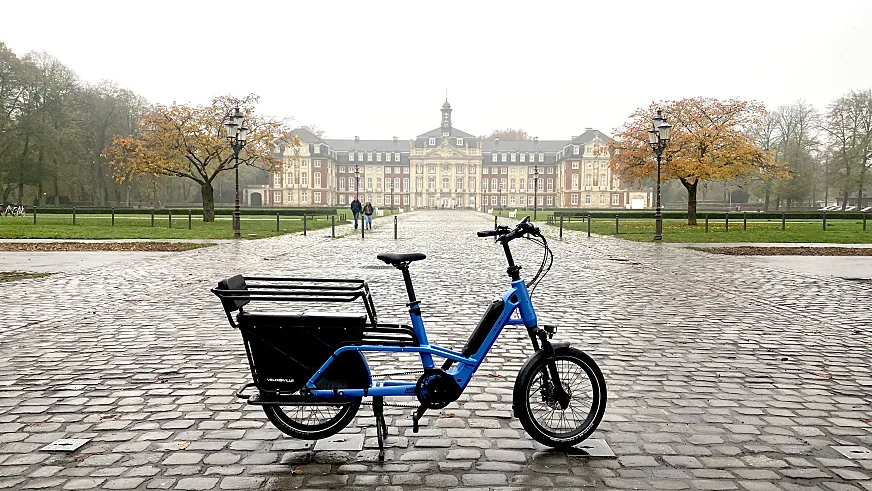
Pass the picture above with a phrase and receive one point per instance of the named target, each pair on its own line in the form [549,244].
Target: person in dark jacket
[355,209]
[368,210]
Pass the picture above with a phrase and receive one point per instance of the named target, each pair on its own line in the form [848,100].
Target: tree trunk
[691,199]
[208,201]
[766,203]
[861,185]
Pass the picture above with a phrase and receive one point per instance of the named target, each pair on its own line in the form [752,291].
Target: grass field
[800,231]
[139,227]
[541,215]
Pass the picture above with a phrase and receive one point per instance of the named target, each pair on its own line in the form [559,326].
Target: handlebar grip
[488,233]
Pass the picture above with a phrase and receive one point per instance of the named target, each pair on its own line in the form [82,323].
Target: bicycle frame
[515,298]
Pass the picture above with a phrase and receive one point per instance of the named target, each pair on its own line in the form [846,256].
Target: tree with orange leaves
[710,141]
[190,142]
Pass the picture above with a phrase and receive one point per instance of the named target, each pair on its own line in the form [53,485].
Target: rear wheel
[541,412]
[311,422]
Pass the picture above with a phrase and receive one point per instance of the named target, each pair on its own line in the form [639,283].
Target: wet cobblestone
[722,374]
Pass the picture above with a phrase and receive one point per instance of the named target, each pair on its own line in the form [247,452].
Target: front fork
[551,378]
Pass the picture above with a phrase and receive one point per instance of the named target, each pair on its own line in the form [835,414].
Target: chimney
[588,129]
[395,140]
[496,141]
[536,140]
[356,139]
[573,137]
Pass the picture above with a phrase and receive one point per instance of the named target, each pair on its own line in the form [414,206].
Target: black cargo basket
[285,349]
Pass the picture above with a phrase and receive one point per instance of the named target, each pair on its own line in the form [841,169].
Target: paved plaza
[722,373]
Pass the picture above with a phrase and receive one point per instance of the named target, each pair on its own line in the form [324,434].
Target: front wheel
[544,417]
[312,422]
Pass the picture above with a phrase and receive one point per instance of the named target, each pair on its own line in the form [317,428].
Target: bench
[513,214]
[379,213]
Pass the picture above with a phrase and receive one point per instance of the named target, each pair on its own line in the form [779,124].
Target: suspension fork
[539,337]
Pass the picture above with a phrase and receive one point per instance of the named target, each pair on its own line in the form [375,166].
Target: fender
[533,358]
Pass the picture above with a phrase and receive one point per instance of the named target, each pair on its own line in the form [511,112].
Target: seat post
[413,302]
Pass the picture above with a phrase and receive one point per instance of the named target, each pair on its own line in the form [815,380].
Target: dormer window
[432,142]
[460,142]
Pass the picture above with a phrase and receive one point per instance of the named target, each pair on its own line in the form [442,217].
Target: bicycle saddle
[401,258]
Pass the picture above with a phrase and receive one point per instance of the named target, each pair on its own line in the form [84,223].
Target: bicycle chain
[397,404]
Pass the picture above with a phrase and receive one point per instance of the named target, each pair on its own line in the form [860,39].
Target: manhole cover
[65,445]
[341,441]
[853,451]
[593,448]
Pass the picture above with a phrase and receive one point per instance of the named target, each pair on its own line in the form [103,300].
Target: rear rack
[277,289]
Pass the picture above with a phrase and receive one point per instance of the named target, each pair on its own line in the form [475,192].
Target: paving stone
[197,483]
[241,483]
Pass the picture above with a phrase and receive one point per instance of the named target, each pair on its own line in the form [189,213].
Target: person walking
[355,209]
[367,213]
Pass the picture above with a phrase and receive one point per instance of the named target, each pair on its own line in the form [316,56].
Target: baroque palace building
[446,168]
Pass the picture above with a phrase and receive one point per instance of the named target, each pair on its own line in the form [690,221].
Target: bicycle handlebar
[523,227]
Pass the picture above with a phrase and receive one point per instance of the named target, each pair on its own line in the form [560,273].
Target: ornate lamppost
[658,137]
[535,189]
[237,134]
[356,182]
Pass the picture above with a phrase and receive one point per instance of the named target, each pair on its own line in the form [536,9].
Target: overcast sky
[380,69]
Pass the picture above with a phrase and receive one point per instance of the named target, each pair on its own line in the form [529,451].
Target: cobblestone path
[722,374]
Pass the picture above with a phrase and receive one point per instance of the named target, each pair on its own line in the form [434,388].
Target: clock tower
[446,117]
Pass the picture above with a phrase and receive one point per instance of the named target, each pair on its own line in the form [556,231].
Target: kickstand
[381,428]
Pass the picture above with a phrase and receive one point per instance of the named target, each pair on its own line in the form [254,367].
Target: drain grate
[853,451]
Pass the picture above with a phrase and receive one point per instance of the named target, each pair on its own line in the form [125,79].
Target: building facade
[448,168]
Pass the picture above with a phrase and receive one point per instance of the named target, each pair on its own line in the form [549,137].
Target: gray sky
[380,69]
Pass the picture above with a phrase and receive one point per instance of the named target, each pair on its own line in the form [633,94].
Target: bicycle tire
[527,403]
[305,430]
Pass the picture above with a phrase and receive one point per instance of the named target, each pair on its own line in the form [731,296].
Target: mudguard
[534,357]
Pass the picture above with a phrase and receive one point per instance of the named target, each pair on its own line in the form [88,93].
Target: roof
[522,146]
[589,135]
[369,145]
[452,132]
[307,136]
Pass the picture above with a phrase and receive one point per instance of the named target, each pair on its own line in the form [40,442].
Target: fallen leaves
[99,246]
[787,251]
[20,275]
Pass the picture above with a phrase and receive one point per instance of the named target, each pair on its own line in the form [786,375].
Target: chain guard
[436,389]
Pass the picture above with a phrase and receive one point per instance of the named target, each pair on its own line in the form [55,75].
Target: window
[460,142]
[493,200]
[351,184]
[342,168]
[445,169]
[419,184]
[290,197]
[472,169]
[539,200]
[445,184]
[369,184]
[432,169]
[505,158]
[405,170]
[359,157]
[378,184]
[277,180]
[317,179]
[432,142]
[277,197]
[388,200]
[484,185]
[369,157]
[495,157]
[304,179]
[305,163]
[512,200]
[521,201]
[388,157]
[459,169]
[602,165]
[431,184]
[484,171]
[551,170]
[573,200]
[406,184]
[378,200]
[575,181]
[616,199]
[521,183]
[587,199]
[550,201]
[397,157]
[587,179]
[512,185]
[406,199]
[504,170]
[575,164]
[459,184]
[540,184]
[541,157]
[602,198]
[513,155]
[588,164]
[419,169]
[494,184]
[444,133]
[397,170]
[502,201]
[523,157]
[472,184]
[378,157]
[304,197]
[603,180]
[550,184]
[317,195]
[316,163]
[342,184]
[575,150]
[396,183]
[503,184]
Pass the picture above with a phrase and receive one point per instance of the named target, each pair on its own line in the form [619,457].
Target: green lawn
[139,227]
[541,215]
[838,231]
